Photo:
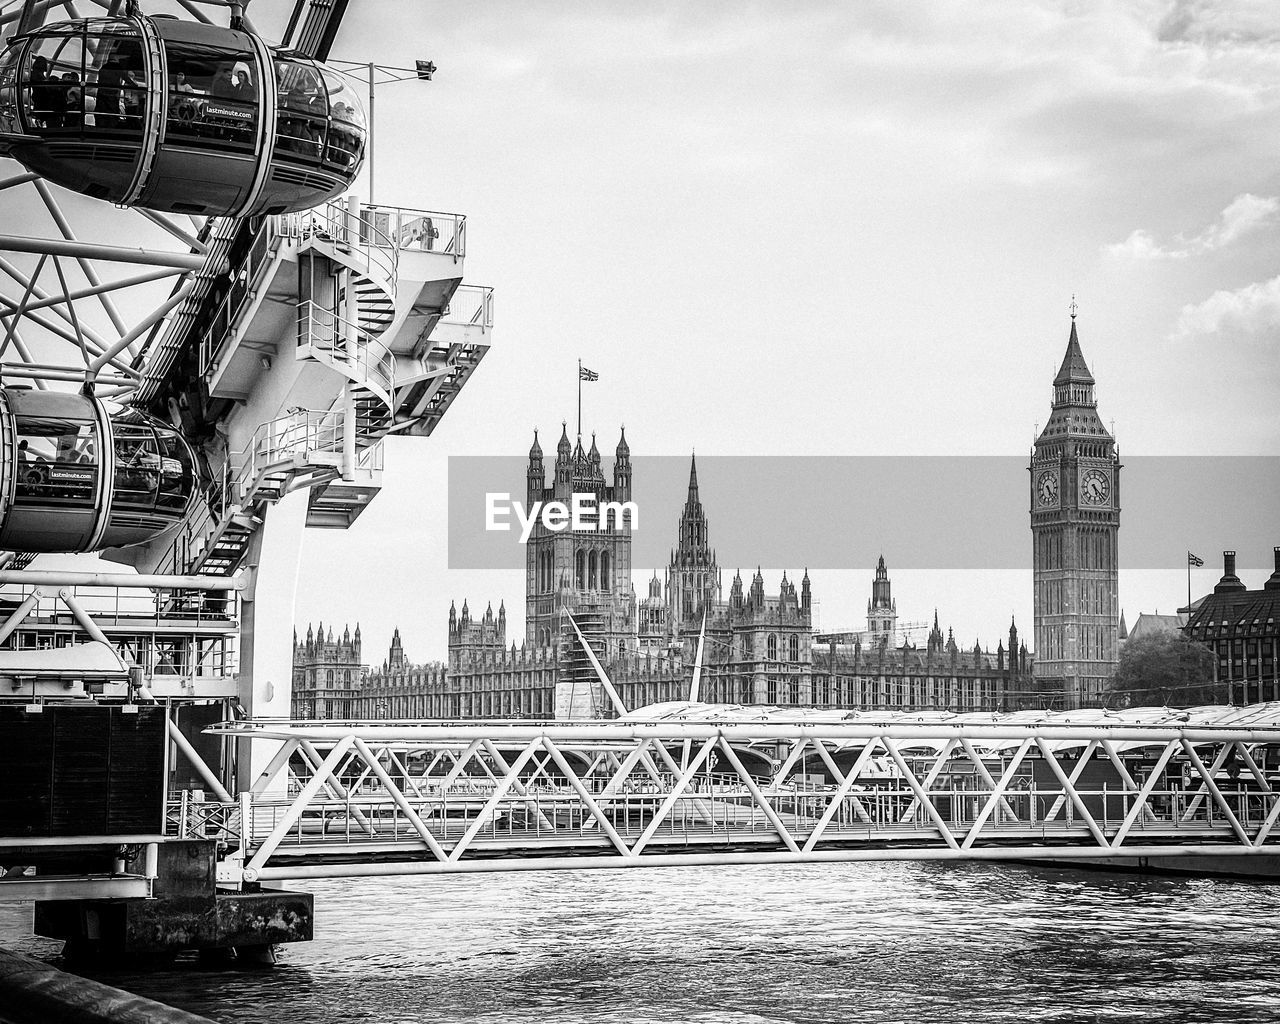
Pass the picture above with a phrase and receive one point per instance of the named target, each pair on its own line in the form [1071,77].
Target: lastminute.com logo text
[582,514]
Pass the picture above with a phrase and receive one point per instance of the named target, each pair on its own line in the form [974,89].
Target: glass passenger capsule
[178,117]
[79,475]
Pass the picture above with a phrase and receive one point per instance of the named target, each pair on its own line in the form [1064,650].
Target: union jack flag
[1194,559]
[585,374]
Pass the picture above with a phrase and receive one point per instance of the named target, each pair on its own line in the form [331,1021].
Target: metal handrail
[470,306]
[325,331]
[420,230]
[347,227]
[261,253]
[285,439]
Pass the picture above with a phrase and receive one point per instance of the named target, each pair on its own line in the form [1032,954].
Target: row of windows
[1095,548]
[792,647]
[859,692]
[75,82]
[539,702]
[592,570]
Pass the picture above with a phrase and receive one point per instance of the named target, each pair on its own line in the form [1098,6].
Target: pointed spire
[623,449]
[565,447]
[1124,630]
[1074,369]
[535,450]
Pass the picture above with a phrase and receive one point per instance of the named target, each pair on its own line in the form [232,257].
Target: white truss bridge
[688,783]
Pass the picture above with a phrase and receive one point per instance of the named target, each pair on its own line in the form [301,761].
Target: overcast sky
[807,229]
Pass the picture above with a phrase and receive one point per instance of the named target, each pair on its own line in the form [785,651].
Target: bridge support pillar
[266,632]
[187,912]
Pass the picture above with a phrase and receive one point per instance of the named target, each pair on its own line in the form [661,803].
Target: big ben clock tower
[1075,520]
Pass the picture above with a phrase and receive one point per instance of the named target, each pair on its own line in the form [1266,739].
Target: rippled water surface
[873,942]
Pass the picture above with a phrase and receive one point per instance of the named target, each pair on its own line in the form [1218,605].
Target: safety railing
[348,227]
[370,458]
[418,230]
[286,440]
[189,816]
[471,306]
[138,607]
[326,333]
[530,815]
[213,328]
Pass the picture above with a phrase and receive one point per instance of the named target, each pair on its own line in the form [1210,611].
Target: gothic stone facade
[759,647]
[1075,524]
[327,674]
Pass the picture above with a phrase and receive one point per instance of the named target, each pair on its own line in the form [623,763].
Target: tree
[1165,669]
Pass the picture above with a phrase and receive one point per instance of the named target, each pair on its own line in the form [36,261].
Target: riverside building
[761,646]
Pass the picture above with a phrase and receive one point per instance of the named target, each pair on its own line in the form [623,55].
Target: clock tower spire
[1075,522]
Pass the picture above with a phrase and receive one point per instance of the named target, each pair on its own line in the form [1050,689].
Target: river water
[914,942]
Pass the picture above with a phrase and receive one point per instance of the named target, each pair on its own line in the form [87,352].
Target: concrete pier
[189,912]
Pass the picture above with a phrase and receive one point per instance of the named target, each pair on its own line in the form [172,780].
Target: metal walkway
[422,797]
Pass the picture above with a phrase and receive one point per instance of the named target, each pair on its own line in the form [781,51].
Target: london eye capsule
[80,476]
[178,116]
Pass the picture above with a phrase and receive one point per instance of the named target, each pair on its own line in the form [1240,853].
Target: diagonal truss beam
[843,790]
[989,805]
[925,800]
[1140,804]
[1069,792]
[489,810]
[676,792]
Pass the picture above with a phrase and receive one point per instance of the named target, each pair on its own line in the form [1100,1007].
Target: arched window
[604,570]
[592,567]
[347,677]
[328,676]
[580,569]
[772,648]
[794,647]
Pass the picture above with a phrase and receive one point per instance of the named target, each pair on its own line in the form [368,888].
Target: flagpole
[1188,586]
[580,414]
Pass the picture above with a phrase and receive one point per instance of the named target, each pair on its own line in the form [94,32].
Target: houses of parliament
[761,645]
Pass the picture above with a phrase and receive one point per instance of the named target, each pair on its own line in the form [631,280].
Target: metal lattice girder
[433,796]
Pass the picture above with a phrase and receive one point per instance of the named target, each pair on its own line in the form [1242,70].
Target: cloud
[1142,246]
[1212,22]
[1245,314]
[1242,216]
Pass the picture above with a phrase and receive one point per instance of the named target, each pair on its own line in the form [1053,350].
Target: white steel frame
[432,797]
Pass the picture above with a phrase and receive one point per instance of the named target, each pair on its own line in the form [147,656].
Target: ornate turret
[535,476]
[693,577]
[935,635]
[622,468]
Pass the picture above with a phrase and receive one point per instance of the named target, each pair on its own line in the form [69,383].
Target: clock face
[1047,488]
[1095,487]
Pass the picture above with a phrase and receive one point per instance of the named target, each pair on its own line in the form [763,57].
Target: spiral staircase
[376,353]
